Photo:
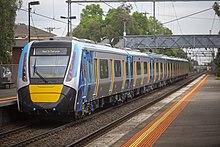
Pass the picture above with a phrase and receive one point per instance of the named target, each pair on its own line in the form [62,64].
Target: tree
[90,22]
[156,27]
[7,21]
[115,21]
[217,61]
[142,22]
[91,12]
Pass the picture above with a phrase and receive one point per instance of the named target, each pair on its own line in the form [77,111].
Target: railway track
[110,126]
[17,129]
[77,125]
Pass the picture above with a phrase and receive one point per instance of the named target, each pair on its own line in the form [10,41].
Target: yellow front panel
[45,93]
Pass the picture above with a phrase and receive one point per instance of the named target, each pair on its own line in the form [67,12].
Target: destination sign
[50,51]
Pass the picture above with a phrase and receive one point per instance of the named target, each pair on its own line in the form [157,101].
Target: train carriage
[74,77]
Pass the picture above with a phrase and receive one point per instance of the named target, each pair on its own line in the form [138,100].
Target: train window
[157,67]
[48,66]
[138,68]
[103,63]
[145,67]
[161,67]
[117,66]
[126,68]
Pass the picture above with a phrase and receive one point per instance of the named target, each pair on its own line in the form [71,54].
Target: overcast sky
[165,11]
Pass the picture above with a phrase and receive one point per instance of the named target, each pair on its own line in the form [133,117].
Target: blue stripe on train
[21,60]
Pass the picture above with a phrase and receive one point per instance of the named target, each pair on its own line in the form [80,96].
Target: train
[75,77]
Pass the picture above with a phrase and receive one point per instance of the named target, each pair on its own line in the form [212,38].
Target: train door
[124,75]
[131,72]
[128,73]
[148,71]
[112,77]
[88,66]
[85,75]
[155,70]
[83,82]
[151,69]
[159,70]
[96,77]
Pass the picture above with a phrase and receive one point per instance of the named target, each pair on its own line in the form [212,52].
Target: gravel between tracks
[27,133]
[78,131]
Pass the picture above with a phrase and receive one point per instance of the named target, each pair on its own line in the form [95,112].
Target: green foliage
[91,12]
[7,21]
[89,31]
[217,63]
[91,20]
[172,52]
[115,20]
[93,25]
[142,22]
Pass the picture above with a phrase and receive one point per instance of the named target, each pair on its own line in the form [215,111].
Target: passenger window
[138,68]
[103,63]
[145,67]
[126,68]
[117,66]
[157,67]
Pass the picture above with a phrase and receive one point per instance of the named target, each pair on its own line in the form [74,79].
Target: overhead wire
[136,6]
[108,4]
[187,16]
[34,27]
[212,23]
[54,19]
[176,18]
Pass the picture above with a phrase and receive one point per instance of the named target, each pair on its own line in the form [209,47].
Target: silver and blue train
[75,78]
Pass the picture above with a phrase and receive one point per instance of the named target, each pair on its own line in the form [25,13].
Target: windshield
[48,66]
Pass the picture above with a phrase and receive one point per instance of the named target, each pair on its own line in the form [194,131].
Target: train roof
[166,57]
[136,53]
[101,48]
[108,49]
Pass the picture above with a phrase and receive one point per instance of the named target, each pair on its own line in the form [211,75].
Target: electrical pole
[154,18]
[69,20]
[50,29]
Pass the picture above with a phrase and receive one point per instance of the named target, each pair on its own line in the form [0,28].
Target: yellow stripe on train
[45,93]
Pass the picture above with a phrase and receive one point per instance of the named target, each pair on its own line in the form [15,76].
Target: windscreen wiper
[37,73]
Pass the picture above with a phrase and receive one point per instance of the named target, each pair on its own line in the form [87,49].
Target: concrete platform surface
[194,112]
[199,123]
[4,93]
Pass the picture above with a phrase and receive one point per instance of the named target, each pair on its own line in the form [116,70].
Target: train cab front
[46,68]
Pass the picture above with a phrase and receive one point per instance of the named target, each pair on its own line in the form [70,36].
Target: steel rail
[108,127]
[72,123]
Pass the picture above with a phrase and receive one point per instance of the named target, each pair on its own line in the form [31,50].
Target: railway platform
[7,97]
[189,117]
[8,107]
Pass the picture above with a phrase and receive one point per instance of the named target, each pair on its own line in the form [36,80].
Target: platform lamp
[69,26]
[29,17]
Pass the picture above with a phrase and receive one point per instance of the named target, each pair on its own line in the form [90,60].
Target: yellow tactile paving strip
[7,98]
[151,133]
